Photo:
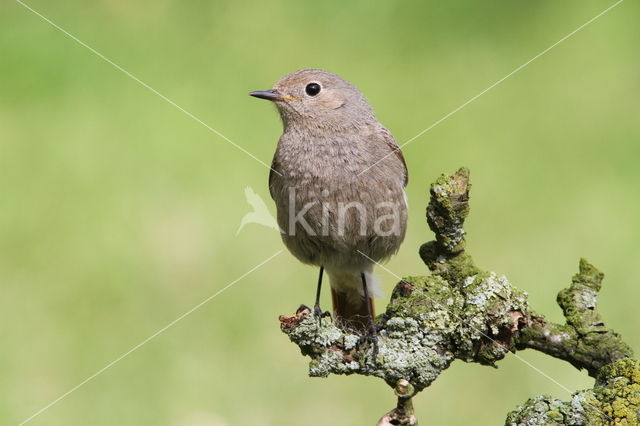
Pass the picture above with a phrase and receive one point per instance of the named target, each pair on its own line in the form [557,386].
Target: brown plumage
[335,212]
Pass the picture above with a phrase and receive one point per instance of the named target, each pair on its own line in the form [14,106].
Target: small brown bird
[335,210]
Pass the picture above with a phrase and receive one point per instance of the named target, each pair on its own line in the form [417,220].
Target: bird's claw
[317,311]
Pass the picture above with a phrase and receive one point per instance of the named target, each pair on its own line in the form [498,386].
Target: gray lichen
[426,326]
[541,410]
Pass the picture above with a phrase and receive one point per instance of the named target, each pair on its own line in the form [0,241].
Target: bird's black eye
[312,89]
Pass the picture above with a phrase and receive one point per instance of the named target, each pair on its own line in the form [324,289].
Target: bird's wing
[393,145]
[274,165]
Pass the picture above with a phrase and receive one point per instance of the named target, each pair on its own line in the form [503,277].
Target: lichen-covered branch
[458,312]
[584,341]
[614,400]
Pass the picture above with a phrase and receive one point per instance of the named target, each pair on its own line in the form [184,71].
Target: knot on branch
[403,414]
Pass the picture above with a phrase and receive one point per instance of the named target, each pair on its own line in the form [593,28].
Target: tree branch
[457,312]
[583,341]
[403,414]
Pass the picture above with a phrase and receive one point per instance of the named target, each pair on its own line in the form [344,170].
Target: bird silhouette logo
[260,214]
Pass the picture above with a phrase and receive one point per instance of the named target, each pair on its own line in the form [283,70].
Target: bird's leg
[317,311]
[371,333]
[371,325]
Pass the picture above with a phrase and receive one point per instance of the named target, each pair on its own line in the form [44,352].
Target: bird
[338,180]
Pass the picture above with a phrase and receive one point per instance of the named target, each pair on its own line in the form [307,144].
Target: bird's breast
[328,207]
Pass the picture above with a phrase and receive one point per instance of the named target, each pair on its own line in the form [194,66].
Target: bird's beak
[271,95]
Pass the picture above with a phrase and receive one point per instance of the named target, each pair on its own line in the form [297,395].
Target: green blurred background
[118,213]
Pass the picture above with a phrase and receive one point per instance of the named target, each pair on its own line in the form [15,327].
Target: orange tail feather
[349,315]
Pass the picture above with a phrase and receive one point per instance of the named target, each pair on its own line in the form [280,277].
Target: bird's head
[318,99]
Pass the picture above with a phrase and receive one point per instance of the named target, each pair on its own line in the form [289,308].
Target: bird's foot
[317,311]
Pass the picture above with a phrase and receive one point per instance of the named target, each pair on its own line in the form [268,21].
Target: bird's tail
[350,308]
